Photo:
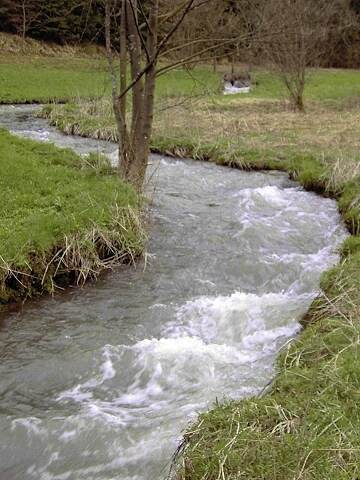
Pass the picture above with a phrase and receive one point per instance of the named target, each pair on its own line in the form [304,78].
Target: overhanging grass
[62,218]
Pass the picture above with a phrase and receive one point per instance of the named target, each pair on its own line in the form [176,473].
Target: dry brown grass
[328,131]
[14,45]
[265,124]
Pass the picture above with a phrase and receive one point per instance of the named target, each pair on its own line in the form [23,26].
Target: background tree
[73,21]
[297,35]
[345,47]
[20,15]
[62,21]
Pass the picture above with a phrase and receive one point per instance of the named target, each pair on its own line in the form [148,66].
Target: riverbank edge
[271,435]
[80,253]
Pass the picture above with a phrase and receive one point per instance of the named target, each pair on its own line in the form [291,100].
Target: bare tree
[25,14]
[301,34]
[147,33]
[222,25]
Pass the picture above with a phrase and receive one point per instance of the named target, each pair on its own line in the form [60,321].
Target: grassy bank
[63,218]
[306,425]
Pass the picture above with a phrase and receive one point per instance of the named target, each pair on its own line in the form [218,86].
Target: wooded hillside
[74,21]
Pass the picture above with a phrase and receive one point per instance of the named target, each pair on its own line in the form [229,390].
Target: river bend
[99,383]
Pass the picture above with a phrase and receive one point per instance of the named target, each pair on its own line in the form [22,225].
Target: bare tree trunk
[23,28]
[136,130]
[139,45]
[137,173]
[124,159]
[214,64]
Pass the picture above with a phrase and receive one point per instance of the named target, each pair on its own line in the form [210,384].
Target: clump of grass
[98,162]
[341,171]
[65,218]
[89,118]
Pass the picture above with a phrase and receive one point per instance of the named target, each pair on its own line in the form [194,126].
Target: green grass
[38,72]
[36,80]
[59,214]
[42,81]
[321,85]
[32,79]
[333,84]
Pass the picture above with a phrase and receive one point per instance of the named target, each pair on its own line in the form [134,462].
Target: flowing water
[99,383]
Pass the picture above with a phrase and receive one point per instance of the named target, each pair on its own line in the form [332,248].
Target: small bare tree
[26,14]
[145,32]
[140,47]
[302,31]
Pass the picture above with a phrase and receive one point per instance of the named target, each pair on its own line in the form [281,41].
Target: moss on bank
[306,425]
[64,218]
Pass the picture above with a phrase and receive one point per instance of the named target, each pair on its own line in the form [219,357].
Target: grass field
[41,73]
[63,79]
[61,219]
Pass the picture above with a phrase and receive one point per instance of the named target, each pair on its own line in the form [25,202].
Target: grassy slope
[37,72]
[307,426]
[35,80]
[38,80]
[58,215]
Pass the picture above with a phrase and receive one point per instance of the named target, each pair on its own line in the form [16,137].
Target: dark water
[99,383]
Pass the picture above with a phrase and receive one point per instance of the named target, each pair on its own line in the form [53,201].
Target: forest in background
[73,22]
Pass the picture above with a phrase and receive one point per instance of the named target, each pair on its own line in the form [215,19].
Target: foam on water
[231,90]
[209,350]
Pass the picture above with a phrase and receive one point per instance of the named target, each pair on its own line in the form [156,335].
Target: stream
[100,382]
